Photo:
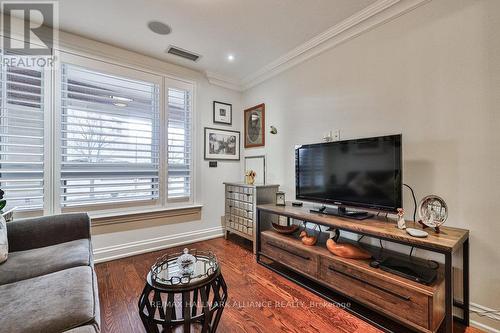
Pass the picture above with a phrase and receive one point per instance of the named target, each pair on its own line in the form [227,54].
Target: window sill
[143,214]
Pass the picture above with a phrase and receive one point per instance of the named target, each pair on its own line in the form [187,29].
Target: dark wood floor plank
[287,306]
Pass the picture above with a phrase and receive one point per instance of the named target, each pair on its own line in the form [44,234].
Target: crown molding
[365,20]
[223,81]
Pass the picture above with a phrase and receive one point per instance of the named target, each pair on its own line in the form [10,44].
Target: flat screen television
[363,173]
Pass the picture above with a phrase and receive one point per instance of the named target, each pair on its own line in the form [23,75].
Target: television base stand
[343,212]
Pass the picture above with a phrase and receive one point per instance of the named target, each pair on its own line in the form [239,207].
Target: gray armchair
[44,231]
[48,283]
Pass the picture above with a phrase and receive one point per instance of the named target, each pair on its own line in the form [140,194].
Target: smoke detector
[159,28]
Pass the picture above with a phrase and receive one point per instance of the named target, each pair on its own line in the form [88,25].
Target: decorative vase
[250,177]
[249,180]
[186,263]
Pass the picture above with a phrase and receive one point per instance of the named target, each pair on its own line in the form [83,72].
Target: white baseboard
[483,327]
[149,245]
[488,313]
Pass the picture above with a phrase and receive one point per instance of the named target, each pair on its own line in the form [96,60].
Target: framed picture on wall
[255,124]
[258,165]
[223,113]
[222,144]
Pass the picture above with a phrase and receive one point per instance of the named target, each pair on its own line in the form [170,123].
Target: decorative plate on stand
[433,211]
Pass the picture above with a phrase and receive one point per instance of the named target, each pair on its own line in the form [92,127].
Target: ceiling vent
[183,53]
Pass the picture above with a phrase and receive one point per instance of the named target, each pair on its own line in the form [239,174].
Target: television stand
[343,212]
[419,307]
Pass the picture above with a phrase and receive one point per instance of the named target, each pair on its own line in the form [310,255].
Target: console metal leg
[448,281]
[257,236]
[465,282]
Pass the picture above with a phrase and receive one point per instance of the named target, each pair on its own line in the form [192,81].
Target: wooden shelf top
[448,240]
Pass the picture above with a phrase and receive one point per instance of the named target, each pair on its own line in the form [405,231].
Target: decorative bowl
[287,230]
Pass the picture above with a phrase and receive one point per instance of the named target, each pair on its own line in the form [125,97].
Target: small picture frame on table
[223,113]
[280,199]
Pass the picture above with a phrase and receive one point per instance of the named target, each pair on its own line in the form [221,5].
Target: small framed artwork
[258,165]
[222,144]
[223,113]
[255,123]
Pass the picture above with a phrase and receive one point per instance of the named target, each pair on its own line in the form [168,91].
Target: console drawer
[398,301]
[289,255]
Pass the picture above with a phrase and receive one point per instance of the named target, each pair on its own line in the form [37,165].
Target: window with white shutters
[110,138]
[22,137]
[179,132]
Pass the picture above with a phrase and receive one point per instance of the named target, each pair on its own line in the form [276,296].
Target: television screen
[361,173]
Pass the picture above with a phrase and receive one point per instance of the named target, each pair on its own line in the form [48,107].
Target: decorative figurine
[306,239]
[186,263]
[250,177]
[346,250]
[401,219]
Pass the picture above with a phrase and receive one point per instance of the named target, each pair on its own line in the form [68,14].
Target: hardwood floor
[259,299]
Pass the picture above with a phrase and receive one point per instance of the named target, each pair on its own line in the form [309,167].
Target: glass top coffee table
[183,289]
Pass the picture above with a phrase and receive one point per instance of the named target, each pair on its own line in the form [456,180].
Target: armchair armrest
[26,234]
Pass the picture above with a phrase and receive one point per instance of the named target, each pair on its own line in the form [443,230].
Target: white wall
[432,74]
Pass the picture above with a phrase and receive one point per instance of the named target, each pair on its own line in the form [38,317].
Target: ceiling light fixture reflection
[121,105]
[230,57]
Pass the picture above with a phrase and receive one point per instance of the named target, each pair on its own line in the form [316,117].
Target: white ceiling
[255,31]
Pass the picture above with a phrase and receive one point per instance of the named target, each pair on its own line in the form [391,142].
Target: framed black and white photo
[223,113]
[222,144]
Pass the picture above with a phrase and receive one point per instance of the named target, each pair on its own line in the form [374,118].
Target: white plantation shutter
[22,137]
[179,137]
[110,138]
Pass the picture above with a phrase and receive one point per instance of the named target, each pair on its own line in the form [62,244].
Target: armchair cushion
[27,264]
[27,234]
[55,302]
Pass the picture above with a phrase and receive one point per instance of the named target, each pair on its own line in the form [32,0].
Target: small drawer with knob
[406,303]
[289,255]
